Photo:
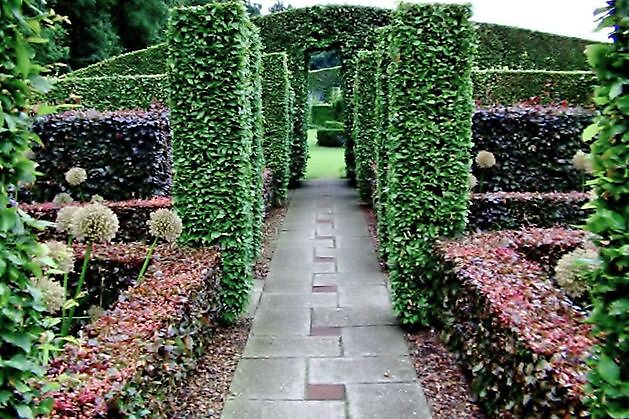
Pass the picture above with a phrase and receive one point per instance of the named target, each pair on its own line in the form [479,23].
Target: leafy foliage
[511,210]
[364,125]
[209,56]
[151,60]
[522,340]
[277,122]
[331,137]
[609,379]
[431,50]
[23,334]
[126,154]
[322,112]
[533,147]
[508,87]
[321,82]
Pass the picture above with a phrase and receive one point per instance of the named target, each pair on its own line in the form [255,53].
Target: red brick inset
[324,288]
[325,331]
[325,392]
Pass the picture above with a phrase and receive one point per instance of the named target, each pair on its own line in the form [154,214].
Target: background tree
[279,6]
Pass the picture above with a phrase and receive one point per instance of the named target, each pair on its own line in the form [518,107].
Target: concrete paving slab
[292,346]
[353,316]
[281,322]
[373,341]
[302,300]
[309,409]
[349,278]
[279,379]
[364,295]
[360,370]
[391,400]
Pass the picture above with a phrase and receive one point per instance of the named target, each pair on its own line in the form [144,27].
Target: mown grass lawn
[324,162]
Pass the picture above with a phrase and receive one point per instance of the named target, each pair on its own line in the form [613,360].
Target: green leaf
[608,369]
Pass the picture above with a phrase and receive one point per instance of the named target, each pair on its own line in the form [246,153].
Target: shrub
[277,127]
[511,210]
[331,137]
[165,323]
[508,87]
[210,78]
[533,148]
[333,125]
[320,113]
[523,342]
[110,92]
[429,144]
[364,125]
[151,60]
[322,82]
[126,154]
[609,379]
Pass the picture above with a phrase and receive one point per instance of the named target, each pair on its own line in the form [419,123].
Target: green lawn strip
[324,162]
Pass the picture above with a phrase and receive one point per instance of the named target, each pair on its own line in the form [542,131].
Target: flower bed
[522,339]
[511,210]
[129,359]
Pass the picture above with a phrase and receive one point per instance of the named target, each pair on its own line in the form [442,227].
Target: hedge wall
[508,87]
[151,60]
[126,154]
[277,127]
[210,77]
[609,378]
[321,82]
[431,47]
[322,112]
[513,210]
[533,148]
[365,125]
[110,93]
[331,137]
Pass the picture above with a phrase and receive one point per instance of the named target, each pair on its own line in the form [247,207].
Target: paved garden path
[324,343]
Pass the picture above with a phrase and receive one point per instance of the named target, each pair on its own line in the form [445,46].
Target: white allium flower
[76,176]
[485,159]
[62,199]
[97,198]
[165,224]
[582,162]
[94,223]
[64,219]
[62,255]
[471,181]
[52,293]
[573,269]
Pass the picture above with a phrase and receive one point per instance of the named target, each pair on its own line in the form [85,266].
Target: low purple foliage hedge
[512,210]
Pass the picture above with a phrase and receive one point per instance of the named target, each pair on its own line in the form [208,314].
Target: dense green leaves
[21,321]
[365,125]
[609,379]
[210,84]
[429,131]
[277,122]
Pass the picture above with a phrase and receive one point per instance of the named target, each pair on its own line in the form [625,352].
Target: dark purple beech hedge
[126,154]
[533,147]
[512,210]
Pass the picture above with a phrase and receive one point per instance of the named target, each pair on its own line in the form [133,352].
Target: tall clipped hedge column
[277,122]
[430,129]
[609,378]
[365,123]
[209,82]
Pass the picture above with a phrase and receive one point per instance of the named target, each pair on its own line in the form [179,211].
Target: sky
[563,17]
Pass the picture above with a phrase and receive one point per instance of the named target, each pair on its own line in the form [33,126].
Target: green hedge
[321,82]
[331,137]
[430,94]
[320,113]
[383,60]
[609,378]
[364,126]
[277,127]
[150,60]
[508,87]
[209,83]
[110,93]
[258,163]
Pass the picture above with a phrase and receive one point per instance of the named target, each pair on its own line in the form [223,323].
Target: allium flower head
[62,199]
[64,219]
[165,224]
[76,176]
[52,293]
[471,181]
[582,162]
[97,198]
[94,223]
[573,270]
[485,159]
[62,255]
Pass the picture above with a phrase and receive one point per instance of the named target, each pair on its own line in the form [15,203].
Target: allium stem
[147,259]
[582,181]
[480,181]
[65,284]
[86,261]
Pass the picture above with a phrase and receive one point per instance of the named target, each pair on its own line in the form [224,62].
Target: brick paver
[324,343]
